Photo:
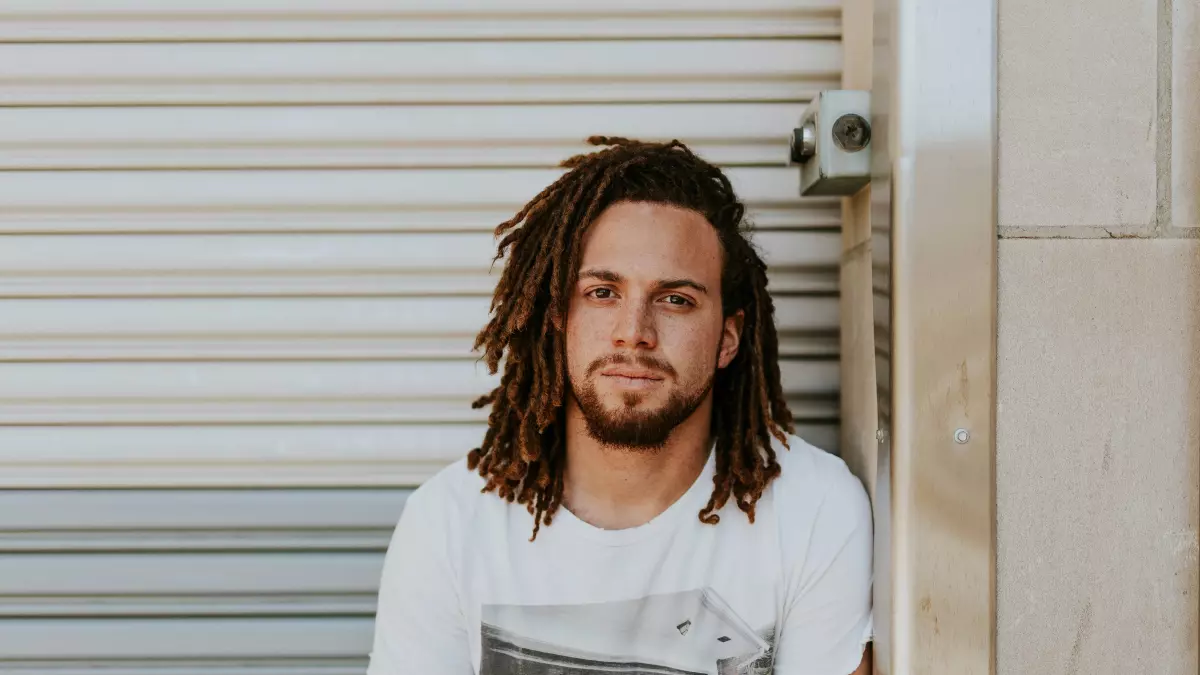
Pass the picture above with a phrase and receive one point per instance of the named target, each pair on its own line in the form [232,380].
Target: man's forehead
[656,240]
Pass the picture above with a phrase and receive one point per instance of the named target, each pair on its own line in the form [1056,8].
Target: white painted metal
[416,72]
[181,521]
[934,184]
[78,20]
[40,194]
[374,327]
[247,249]
[379,136]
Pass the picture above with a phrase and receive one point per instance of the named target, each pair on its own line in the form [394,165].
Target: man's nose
[635,328]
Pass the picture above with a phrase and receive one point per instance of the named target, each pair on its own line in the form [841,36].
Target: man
[634,506]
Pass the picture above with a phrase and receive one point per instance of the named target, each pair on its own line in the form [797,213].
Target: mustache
[642,360]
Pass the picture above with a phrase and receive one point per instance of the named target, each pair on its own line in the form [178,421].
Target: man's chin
[630,430]
[615,405]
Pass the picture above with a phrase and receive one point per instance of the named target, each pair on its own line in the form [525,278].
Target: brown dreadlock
[523,451]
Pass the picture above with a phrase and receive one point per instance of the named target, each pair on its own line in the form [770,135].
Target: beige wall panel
[1097,443]
[859,395]
[1185,115]
[1077,87]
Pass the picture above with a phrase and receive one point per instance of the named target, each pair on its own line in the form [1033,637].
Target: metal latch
[832,143]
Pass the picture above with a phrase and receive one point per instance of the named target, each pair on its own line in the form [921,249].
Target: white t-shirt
[465,591]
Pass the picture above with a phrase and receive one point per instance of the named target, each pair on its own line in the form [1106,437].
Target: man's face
[645,332]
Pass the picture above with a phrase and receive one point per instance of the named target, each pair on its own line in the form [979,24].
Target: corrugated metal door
[245,250]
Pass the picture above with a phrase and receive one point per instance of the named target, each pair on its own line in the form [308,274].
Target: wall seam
[1097,232]
[1163,139]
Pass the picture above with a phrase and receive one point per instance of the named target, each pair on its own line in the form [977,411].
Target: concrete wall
[1099,336]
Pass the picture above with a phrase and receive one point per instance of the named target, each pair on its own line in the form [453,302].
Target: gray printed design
[687,633]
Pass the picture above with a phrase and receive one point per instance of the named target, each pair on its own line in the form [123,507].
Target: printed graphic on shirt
[687,633]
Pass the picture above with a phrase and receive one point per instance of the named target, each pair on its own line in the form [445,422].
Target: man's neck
[619,488]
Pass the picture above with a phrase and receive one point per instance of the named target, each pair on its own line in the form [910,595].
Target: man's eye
[602,293]
[678,300]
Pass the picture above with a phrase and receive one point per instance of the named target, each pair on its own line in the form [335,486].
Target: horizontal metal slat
[225,392]
[432,201]
[171,605]
[147,384]
[258,455]
[192,584]
[60,576]
[251,511]
[267,10]
[170,346]
[310,253]
[301,214]
[281,282]
[299,317]
[208,412]
[246,192]
[315,264]
[822,25]
[323,666]
[185,638]
[150,541]
[134,448]
[417,72]
[115,20]
[240,137]
[296,328]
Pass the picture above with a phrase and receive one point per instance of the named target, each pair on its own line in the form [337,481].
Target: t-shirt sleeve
[827,611]
[419,625]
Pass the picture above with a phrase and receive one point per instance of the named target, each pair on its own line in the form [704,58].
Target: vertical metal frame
[857,334]
[928,225]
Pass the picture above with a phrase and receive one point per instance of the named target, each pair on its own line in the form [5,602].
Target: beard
[632,429]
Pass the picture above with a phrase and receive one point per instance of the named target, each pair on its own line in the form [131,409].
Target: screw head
[851,132]
[961,436]
[804,143]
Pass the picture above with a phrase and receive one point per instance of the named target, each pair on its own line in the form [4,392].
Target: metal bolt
[961,436]
[851,132]
[881,435]
[804,143]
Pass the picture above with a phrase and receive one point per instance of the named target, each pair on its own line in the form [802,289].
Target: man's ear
[731,338]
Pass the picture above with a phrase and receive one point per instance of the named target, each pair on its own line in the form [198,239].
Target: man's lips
[632,374]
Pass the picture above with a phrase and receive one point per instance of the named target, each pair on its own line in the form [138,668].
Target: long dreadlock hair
[524,449]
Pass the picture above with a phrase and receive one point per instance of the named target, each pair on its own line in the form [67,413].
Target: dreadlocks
[523,452]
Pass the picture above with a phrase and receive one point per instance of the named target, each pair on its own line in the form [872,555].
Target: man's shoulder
[453,494]
[807,469]
[816,487]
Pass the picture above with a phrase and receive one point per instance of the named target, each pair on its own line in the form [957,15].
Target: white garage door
[244,249]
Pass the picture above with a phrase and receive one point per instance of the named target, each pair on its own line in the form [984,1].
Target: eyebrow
[665,284]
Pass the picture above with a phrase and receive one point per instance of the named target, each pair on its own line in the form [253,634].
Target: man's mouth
[632,379]
[632,374]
